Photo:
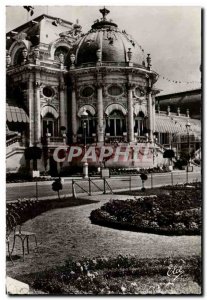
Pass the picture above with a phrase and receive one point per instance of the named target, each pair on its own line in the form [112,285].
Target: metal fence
[74,187]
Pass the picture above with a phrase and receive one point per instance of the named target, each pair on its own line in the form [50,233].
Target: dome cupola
[106,43]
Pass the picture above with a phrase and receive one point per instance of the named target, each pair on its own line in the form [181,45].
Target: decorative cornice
[104,70]
[32,67]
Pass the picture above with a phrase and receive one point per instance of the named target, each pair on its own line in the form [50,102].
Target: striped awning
[176,125]
[15,113]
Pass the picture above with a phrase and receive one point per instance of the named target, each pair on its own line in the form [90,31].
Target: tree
[143,177]
[169,153]
[57,186]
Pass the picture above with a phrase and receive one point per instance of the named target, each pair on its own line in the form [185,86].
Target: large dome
[113,44]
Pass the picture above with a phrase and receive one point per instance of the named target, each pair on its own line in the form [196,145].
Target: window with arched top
[90,125]
[139,124]
[116,123]
[49,125]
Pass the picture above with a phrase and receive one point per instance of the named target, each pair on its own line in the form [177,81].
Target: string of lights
[179,81]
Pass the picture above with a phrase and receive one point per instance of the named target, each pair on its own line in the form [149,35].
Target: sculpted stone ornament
[98,54]
[8,60]
[36,55]
[61,58]
[130,85]
[149,62]
[72,59]
[20,37]
[37,84]
[24,55]
[129,53]
[99,84]
[75,32]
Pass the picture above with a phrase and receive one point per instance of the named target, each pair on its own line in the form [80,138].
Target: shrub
[57,186]
[176,213]
[109,275]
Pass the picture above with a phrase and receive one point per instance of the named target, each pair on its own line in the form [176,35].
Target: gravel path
[68,232]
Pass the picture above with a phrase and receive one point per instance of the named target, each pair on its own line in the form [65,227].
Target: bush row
[96,276]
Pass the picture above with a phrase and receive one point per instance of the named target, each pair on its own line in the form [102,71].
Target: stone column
[153,113]
[62,102]
[130,114]
[100,125]
[31,110]
[37,124]
[150,112]
[74,116]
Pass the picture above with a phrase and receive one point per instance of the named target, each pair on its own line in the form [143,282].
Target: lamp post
[147,137]
[84,117]
[155,141]
[188,136]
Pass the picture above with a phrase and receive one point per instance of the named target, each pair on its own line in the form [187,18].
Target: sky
[172,35]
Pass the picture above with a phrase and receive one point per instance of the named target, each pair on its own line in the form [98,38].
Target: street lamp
[154,153]
[188,135]
[84,117]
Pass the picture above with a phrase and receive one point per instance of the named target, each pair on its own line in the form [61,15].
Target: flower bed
[25,209]
[184,186]
[121,275]
[177,213]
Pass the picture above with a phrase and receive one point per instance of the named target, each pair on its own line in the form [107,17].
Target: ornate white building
[55,72]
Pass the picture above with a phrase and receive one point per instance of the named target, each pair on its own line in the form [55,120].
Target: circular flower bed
[177,213]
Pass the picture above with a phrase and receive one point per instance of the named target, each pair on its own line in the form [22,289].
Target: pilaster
[74,114]
[31,110]
[100,114]
[130,112]
[62,102]
[37,116]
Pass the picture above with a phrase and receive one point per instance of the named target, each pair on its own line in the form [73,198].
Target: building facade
[55,73]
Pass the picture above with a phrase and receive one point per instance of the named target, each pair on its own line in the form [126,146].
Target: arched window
[116,123]
[90,125]
[139,124]
[49,125]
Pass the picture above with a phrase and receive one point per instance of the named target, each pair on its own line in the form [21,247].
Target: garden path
[68,232]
